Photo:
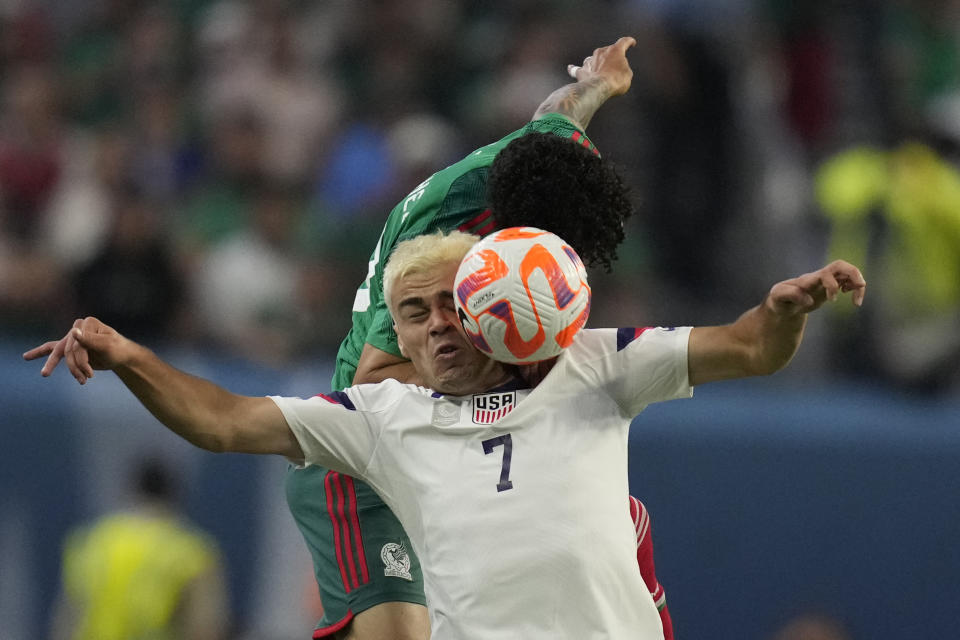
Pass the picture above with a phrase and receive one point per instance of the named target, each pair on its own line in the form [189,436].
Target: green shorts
[361,554]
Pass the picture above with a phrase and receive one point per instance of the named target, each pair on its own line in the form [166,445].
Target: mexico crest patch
[396,561]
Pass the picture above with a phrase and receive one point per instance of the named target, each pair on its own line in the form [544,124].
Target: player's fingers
[49,349]
[78,356]
[574,70]
[81,352]
[847,278]
[38,352]
[859,289]
[88,326]
[851,279]
[625,43]
[831,287]
[83,359]
[842,269]
[51,363]
[55,354]
[859,292]
[77,369]
[88,333]
[789,295]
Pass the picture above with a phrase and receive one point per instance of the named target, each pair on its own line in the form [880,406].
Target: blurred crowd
[215,172]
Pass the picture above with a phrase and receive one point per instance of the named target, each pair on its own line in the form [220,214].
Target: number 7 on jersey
[507,442]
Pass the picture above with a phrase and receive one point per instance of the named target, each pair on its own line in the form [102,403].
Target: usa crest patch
[490,407]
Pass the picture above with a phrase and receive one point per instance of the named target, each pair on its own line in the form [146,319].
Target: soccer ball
[522,295]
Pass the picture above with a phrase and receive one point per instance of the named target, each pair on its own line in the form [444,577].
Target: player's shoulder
[616,338]
[649,344]
[386,395]
[552,123]
[620,337]
[422,210]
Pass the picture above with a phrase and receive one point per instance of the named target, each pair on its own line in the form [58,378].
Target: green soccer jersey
[453,198]
[349,529]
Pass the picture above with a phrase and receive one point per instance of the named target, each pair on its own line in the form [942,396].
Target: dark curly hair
[549,182]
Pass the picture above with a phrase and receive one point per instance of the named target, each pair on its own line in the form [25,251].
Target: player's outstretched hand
[808,292]
[609,64]
[89,345]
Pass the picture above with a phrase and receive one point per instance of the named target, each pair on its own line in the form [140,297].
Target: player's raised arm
[764,339]
[201,412]
[602,75]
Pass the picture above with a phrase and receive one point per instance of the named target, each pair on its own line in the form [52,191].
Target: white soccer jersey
[513,499]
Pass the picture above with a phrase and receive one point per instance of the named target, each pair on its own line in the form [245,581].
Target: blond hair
[422,254]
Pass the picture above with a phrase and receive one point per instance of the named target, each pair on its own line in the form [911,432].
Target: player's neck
[491,376]
[502,377]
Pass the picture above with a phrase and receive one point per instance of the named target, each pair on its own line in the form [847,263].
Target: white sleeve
[636,367]
[333,430]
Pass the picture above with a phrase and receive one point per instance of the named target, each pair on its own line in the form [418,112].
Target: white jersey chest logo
[445,413]
[490,407]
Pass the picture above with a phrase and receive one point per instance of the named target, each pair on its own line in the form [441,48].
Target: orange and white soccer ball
[522,295]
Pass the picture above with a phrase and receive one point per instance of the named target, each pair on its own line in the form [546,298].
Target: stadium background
[210,177]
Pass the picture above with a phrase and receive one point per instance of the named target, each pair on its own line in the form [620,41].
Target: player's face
[430,334]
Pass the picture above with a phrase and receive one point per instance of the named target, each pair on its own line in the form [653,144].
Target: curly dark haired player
[545,181]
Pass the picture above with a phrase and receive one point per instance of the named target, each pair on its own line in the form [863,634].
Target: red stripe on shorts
[343,501]
[331,509]
[357,536]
